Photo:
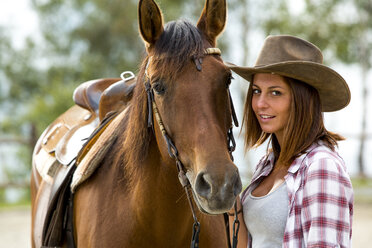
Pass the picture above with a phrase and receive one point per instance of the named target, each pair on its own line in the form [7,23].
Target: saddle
[102,96]
[94,100]
[70,136]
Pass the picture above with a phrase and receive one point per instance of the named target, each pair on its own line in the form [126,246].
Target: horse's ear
[213,18]
[150,21]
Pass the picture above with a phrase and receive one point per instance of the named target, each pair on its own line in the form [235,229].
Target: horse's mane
[179,41]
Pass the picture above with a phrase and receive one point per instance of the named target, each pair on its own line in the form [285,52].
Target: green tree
[81,40]
[361,53]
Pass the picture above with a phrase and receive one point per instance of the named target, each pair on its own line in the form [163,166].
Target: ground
[15,226]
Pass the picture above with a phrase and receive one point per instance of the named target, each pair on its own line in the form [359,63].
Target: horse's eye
[228,81]
[159,88]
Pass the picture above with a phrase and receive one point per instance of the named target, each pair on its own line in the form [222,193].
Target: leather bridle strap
[236,226]
[172,150]
[173,153]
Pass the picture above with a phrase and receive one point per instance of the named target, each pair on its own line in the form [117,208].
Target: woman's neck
[279,138]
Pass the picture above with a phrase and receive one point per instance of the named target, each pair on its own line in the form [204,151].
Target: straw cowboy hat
[299,59]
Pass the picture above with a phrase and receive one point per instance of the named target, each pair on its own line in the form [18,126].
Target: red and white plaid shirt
[320,199]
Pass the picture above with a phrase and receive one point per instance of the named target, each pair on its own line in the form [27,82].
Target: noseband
[173,152]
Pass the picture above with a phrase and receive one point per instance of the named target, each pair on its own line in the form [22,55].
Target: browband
[212,51]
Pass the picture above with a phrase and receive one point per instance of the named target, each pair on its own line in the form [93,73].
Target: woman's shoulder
[322,158]
[320,151]
[325,170]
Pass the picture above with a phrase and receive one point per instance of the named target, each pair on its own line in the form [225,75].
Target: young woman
[300,194]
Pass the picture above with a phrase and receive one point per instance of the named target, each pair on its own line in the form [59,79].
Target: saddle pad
[97,152]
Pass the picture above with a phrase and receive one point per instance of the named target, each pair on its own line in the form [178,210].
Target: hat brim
[333,89]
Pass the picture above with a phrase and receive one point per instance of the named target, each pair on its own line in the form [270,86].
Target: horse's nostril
[202,185]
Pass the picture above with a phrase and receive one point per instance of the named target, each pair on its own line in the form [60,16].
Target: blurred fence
[15,168]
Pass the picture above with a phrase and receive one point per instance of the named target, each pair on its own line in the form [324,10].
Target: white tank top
[266,217]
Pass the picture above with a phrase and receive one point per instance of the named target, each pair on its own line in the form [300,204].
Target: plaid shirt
[320,199]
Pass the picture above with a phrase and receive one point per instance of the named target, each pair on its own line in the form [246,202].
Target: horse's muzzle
[217,190]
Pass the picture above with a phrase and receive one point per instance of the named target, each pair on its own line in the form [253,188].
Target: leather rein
[173,152]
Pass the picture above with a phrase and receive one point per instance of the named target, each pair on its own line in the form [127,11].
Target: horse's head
[190,91]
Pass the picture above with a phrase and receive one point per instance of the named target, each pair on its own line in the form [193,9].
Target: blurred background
[49,47]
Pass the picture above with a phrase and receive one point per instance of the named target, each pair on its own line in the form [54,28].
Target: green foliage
[15,173]
[333,25]
[81,40]
[2,195]
[99,38]
[24,199]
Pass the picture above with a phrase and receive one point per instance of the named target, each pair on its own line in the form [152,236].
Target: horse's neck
[160,199]
[159,180]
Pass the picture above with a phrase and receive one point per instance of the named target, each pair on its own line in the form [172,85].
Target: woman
[300,194]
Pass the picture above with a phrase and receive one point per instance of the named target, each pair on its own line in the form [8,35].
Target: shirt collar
[264,167]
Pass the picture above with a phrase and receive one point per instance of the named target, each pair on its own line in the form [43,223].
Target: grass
[362,182]
[362,190]
[14,205]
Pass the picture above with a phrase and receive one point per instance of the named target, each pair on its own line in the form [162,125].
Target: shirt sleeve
[327,205]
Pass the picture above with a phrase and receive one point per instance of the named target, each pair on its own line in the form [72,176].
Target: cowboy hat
[296,58]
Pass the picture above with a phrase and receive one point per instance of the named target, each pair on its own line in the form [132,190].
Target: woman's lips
[265,117]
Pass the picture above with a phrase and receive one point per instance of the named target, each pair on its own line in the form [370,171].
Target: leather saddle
[96,102]
[101,96]
[95,99]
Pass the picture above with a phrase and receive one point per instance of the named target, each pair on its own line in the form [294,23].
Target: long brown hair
[305,124]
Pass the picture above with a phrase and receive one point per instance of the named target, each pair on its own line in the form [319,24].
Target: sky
[22,21]
[19,19]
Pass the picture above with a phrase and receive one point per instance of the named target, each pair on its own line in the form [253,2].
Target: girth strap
[59,216]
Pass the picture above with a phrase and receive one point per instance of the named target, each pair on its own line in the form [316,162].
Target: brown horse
[134,198]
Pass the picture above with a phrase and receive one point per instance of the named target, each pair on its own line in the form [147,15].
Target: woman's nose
[261,102]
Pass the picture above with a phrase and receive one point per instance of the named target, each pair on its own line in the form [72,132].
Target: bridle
[173,152]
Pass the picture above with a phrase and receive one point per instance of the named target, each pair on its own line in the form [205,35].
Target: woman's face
[271,102]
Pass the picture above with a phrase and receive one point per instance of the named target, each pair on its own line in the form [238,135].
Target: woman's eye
[276,93]
[256,91]
[159,88]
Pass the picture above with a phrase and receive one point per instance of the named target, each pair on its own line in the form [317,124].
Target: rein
[173,152]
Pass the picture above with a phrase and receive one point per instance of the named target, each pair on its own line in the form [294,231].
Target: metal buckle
[127,75]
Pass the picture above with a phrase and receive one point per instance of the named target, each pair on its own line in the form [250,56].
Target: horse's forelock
[179,42]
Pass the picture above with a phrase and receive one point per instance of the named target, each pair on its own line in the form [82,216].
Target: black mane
[179,42]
